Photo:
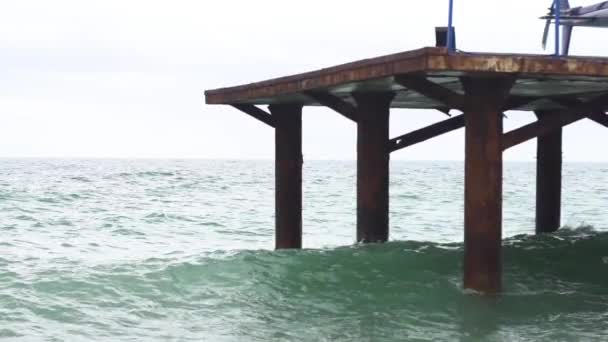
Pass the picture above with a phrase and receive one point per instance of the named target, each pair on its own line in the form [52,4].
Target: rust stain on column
[548,177]
[288,175]
[372,165]
[483,182]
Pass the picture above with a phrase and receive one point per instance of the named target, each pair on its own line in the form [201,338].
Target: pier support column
[484,98]
[288,175]
[372,114]
[548,178]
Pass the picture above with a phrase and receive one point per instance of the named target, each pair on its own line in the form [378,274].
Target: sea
[182,250]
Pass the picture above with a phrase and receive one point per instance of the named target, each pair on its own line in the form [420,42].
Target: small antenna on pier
[451,43]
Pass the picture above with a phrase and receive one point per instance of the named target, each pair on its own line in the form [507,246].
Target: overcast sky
[126,78]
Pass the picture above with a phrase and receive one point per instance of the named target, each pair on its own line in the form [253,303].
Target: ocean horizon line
[506,161]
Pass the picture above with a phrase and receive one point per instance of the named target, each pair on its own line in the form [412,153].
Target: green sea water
[169,250]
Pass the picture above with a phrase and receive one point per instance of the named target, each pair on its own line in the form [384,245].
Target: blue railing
[450,43]
[558,13]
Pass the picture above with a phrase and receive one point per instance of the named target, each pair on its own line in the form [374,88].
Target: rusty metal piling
[372,165]
[288,175]
[484,98]
[548,177]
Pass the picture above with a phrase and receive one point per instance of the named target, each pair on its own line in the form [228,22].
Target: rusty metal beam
[426,133]
[444,110]
[450,98]
[337,104]
[256,113]
[431,90]
[599,116]
[538,128]
[514,101]
[567,116]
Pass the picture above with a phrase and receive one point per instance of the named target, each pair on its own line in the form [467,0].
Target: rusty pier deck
[482,86]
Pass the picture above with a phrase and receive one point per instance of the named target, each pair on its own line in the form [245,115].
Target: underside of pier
[479,86]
